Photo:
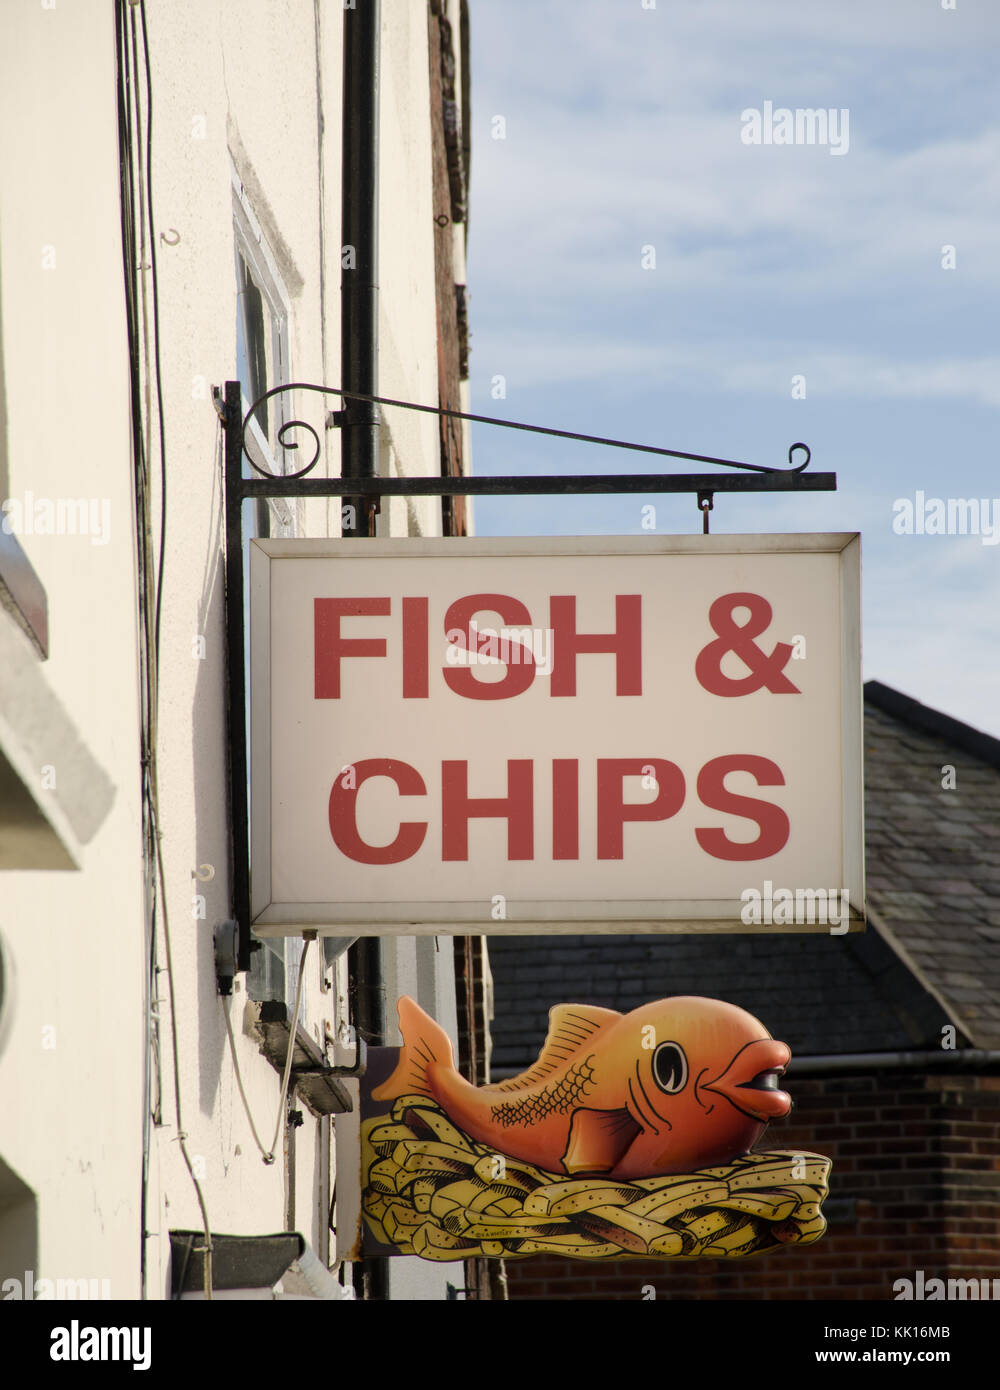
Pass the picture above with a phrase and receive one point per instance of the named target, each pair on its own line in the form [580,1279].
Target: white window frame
[250,245]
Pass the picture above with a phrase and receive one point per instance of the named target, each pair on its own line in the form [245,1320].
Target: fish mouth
[750,1082]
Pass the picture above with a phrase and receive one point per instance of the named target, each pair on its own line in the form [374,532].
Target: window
[262,361]
[262,353]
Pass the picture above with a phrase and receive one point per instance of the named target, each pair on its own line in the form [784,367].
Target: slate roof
[931,955]
[933,855]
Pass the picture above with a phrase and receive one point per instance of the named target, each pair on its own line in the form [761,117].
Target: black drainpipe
[359,432]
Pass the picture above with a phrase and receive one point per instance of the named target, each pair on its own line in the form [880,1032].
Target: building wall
[71,1072]
[915,1185]
[236,83]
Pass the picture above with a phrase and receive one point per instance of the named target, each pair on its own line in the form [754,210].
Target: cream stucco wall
[231,81]
[70,1075]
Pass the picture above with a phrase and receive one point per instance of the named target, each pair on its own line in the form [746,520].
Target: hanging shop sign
[632,1135]
[658,733]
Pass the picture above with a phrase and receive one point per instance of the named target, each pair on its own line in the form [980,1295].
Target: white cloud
[624,130]
[545,358]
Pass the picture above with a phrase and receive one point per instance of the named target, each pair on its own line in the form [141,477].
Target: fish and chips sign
[593,734]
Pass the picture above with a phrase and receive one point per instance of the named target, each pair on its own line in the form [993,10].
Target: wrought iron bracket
[317,1082]
[358,1067]
[705,505]
[747,477]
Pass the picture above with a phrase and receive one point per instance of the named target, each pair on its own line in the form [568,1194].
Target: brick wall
[915,1185]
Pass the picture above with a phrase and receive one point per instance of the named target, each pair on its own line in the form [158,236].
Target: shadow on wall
[209,758]
[4,473]
[18,1226]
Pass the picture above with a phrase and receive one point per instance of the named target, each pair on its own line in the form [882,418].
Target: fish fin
[597,1140]
[424,1043]
[570,1027]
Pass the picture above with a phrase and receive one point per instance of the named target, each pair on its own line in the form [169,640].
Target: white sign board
[636,734]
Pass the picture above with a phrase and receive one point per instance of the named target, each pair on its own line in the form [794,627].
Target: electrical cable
[268,1155]
[156,324]
[154,737]
[127,217]
[181,1135]
[136,171]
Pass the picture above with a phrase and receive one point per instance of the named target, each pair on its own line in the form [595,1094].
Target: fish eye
[670,1067]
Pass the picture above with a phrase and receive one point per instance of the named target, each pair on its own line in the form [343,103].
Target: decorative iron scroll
[287,443]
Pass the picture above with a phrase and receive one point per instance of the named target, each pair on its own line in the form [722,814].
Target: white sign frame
[725,915]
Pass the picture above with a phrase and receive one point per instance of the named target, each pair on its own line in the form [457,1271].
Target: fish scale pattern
[556,1098]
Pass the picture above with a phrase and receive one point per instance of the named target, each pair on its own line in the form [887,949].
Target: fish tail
[425,1043]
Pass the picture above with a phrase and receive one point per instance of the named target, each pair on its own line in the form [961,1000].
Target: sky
[638,268]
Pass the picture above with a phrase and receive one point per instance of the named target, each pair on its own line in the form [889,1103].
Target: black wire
[156,330]
[127,99]
[127,213]
[126,143]
[151,642]
[151,762]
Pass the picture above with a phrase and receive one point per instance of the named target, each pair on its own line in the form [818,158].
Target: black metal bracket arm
[337,419]
[748,477]
[318,1083]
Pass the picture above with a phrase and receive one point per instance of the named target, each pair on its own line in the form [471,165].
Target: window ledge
[22,593]
[42,827]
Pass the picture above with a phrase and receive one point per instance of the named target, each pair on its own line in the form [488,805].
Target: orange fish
[675,1085]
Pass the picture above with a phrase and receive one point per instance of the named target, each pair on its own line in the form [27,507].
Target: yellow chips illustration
[432,1191]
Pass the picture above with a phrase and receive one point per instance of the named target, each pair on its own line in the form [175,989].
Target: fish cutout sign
[630,1137]
[673,1086]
